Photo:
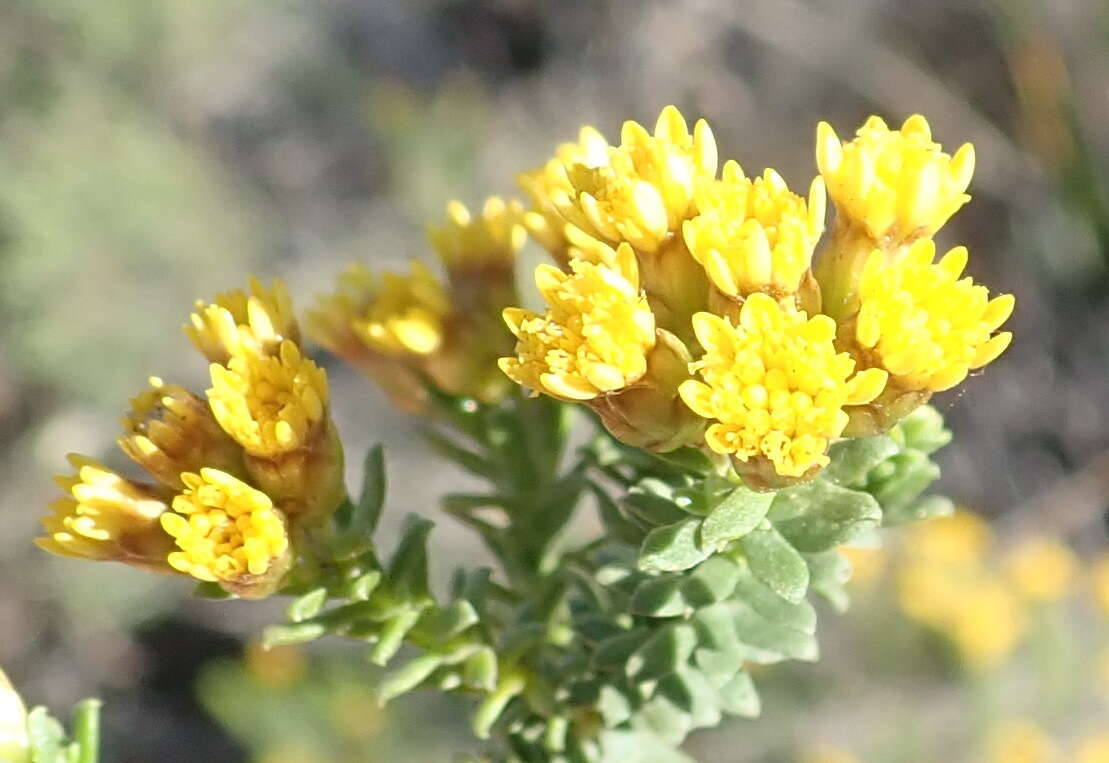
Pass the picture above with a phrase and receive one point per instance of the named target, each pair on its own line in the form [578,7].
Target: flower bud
[235,322]
[169,430]
[105,517]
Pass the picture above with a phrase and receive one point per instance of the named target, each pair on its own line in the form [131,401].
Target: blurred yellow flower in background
[13,724]
[1099,581]
[1018,740]
[1041,569]
[1093,748]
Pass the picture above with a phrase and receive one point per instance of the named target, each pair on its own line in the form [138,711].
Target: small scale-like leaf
[776,563]
[767,641]
[613,653]
[852,460]
[307,605]
[737,514]
[738,697]
[361,587]
[284,635]
[659,597]
[713,580]
[392,637]
[45,736]
[830,572]
[923,430]
[407,578]
[408,677]
[758,596]
[834,516]
[614,706]
[673,548]
[367,511]
[897,493]
[663,653]
[479,671]
[447,622]
[691,690]
[670,722]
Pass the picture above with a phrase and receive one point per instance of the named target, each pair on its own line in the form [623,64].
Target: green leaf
[663,653]
[738,697]
[713,580]
[46,737]
[653,501]
[776,563]
[467,459]
[659,597]
[479,671]
[673,548]
[447,622]
[638,746]
[616,525]
[923,430]
[690,690]
[613,653]
[852,459]
[834,516]
[830,572]
[800,615]
[306,606]
[614,706]
[367,511]
[670,722]
[363,586]
[913,473]
[768,641]
[494,704]
[405,679]
[408,569]
[392,637]
[284,635]
[737,514]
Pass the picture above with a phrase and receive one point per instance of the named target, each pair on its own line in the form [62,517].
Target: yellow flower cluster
[898,185]
[726,268]
[952,579]
[226,530]
[410,331]
[774,385]
[229,471]
[927,326]
[594,338]
[755,235]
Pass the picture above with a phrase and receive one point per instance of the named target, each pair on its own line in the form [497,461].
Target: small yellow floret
[928,327]
[897,184]
[103,517]
[755,235]
[1042,569]
[774,385]
[543,221]
[269,404]
[170,430]
[490,240]
[225,529]
[235,321]
[644,190]
[593,339]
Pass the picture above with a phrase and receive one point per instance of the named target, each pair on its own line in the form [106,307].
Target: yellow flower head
[896,184]
[235,321]
[489,241]
[270,404]
[924,324]
[774,385]
[594,338]
[644,192]
[170,430]
[755,235]
[104,517]
[543,221]
[1041,569]
[226,530]
[405,314]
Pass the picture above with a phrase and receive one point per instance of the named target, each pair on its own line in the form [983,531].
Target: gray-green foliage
[634,640]
[49,742]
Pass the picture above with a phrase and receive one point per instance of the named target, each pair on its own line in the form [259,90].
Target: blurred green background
[156,151]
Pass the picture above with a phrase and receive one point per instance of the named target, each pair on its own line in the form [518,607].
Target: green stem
[86,730]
